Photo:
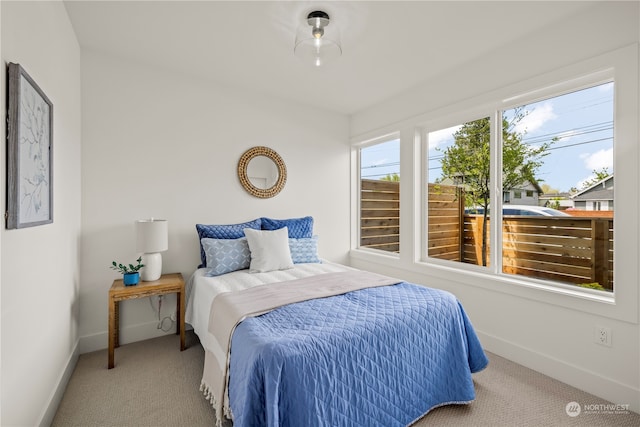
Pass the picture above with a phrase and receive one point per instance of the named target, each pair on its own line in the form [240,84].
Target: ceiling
[388,47]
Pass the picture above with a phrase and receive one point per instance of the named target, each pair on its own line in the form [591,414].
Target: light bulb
[317,32]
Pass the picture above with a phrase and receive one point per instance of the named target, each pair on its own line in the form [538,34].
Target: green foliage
[554,203]
[599,176]
[393,177]
[547,189]
[124,269]
[467,162]
[594,285]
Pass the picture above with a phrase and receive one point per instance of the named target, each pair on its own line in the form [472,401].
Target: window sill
[606,305]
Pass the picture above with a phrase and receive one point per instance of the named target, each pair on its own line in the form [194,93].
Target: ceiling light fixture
[322,43]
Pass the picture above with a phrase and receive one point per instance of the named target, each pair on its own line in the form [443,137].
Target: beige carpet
[155,384]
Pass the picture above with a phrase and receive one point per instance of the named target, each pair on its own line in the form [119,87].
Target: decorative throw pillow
[226,255]
[269,250]
[304,250]
[229,231]
[298,227]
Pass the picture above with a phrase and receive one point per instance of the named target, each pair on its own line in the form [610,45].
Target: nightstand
[166,284]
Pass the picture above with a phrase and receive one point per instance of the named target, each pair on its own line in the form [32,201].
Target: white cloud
[536,118]
[598,160]
[442,136]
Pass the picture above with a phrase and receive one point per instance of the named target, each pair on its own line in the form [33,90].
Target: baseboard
[128,334]
[56,395]
[605,388]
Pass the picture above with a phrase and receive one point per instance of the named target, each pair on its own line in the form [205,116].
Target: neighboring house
[598,197]
[559,201]
[526,195]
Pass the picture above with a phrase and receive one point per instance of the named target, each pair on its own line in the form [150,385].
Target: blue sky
[582,121]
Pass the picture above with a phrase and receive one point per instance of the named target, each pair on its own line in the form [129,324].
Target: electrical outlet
[602,336]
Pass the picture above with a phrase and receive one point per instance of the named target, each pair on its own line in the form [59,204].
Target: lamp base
[152,269]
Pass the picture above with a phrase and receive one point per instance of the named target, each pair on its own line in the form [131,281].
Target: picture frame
[29,152]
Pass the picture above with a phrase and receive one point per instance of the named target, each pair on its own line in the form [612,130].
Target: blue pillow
[226,255]
[298,227]
[230,231]
[304,250]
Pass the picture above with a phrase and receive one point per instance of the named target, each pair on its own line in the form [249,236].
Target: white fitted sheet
[201,290]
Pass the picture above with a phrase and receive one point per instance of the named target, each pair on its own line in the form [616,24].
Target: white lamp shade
[152,235]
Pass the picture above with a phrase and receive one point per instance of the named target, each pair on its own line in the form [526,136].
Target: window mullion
[495,230]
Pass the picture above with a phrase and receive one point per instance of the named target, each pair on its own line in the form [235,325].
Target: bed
[322,344]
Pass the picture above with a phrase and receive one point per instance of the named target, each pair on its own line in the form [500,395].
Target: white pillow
[269,250]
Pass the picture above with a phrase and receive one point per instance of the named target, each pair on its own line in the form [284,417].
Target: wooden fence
[445,209]
[380,215]
[567,249]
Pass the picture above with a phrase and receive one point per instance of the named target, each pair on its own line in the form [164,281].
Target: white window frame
[356,189]
[621,66]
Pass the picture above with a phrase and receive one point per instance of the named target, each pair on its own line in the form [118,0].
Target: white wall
[161,144]
[40,265]
[537,331]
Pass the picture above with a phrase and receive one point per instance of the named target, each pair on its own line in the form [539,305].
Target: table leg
[117,324]
[180,319]
[112,330]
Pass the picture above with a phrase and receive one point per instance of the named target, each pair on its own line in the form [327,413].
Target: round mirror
[262,172]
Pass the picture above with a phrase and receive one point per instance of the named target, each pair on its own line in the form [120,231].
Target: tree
[598,176]
[547,189]
[467,163]
[393,177]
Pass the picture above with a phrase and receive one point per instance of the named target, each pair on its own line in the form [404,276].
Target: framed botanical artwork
[29,152]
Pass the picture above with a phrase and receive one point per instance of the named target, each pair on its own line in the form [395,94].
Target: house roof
[605,194]
[561,195]
[601,186]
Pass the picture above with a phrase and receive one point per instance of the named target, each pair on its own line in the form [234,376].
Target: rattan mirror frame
[243,163]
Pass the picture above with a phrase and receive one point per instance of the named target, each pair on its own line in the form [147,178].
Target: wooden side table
[166,284]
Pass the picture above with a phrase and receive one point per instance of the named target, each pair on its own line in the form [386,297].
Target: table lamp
[152,237]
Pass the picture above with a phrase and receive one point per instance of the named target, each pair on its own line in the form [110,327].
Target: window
[562,145]
[380,196]
[458,181]
[565,145]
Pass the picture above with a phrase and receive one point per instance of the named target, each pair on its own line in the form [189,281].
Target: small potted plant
[130,273]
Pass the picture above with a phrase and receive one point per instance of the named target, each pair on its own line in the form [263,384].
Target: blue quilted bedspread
[376,357]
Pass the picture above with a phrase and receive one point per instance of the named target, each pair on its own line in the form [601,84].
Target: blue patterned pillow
[230,231]
[298,227]
[304,250]
[226,255]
